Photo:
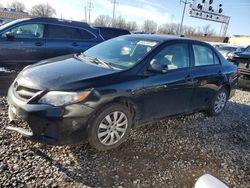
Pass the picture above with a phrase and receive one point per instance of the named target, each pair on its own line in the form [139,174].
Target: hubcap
[220,102]
[112,128]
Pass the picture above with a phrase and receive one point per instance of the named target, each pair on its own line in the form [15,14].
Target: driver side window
[27,31]
[174,57]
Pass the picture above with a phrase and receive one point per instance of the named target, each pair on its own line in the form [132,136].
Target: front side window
[122,52]
[173,56]
[27,31]
[204,56]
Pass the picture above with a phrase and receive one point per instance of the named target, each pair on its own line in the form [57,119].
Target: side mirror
[9,36]
[208,181]
[158,68]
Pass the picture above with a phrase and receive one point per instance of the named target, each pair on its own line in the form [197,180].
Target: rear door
[62,40]
[207,73]
[26,45]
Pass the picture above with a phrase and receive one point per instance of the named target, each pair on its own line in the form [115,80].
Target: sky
[161,11]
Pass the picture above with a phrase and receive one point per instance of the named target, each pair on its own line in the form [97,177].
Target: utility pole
[85,9]
[183,14]
[114,6]
[89,8]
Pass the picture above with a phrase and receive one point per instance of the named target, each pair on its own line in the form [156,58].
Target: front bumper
[49,124]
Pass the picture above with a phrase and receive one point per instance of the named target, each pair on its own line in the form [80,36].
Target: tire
[110,127]
[218,102]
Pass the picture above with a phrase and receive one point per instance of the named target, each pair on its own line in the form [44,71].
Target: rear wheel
[110,127]
[218,103]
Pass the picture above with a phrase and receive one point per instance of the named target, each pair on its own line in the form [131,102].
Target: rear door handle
[39,43]
[75,44]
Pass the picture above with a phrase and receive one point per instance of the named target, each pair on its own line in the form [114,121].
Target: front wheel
[218,103]
[110,127]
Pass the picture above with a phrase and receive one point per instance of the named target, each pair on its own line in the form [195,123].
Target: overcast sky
[161,11]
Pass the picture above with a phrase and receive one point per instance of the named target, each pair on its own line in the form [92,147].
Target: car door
[23,43]
[168,93]
[63,40]
[207,74]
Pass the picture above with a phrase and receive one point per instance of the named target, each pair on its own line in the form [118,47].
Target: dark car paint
[153,96]
[31,50]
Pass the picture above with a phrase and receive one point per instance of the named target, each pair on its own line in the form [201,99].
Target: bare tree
[169,28]
[132,26]
[44,10]
[18,6]
[103,20]
[149,26]
[120,22]
[207,30]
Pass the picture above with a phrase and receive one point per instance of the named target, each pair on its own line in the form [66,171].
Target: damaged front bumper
[49,124]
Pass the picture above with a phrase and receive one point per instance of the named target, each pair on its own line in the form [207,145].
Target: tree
[103,20]
[207,30]
[120,22]
[131,26]
[44,10]
[18,6]
[149,26]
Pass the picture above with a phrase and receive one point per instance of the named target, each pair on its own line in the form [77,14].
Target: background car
[34,39]
[110,32]
[225,50]
[242,60]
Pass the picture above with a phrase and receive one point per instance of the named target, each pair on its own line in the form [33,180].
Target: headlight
[58,98]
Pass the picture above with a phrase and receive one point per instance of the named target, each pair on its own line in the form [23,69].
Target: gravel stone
[170,153]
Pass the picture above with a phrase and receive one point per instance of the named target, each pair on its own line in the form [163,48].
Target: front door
[169,93]
[22,44]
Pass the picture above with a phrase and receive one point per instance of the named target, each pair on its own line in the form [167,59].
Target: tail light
[238,72]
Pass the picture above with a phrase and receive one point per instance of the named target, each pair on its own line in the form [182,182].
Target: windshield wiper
[99,61]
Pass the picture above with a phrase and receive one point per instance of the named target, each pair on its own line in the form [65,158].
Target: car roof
[56,21]
[161,38]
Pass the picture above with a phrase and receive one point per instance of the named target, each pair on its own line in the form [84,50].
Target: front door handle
[39,43]
[220,73]
[189,79]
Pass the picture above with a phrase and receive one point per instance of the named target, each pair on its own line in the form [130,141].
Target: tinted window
[174,56]
[112,33]
[27,31]
[204,56]
[62,32]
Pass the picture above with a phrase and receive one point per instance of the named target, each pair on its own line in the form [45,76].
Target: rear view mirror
[158,68]
[9,36]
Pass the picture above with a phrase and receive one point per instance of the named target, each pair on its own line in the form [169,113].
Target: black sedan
[99,95]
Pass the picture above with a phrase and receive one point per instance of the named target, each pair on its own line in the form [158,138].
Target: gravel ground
[171,153]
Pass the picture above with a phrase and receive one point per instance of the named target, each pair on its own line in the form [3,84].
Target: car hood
[65,72]
[244,55]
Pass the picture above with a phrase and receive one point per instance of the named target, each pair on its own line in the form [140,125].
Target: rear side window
[204,56]
[112,33]
[62,32]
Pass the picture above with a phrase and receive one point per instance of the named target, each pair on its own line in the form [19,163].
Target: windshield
[122,52]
